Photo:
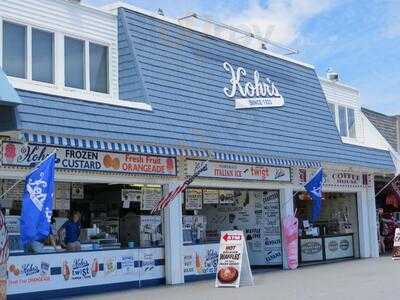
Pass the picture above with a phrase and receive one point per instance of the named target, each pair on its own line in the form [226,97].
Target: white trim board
[113,8]
[38,87]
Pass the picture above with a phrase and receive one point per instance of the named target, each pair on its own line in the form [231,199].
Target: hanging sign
[240,171]
[253,93]
[26,155]
[233,267]
[396,245]
[210,196]
[194,199]
[151,196]
[77,191]
[331,178]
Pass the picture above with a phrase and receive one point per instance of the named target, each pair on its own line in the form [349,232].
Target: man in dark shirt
[72,229]
[37,246]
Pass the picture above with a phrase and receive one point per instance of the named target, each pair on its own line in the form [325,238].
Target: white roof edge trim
[342,85]
[113,7]
[86,7]
[356,168]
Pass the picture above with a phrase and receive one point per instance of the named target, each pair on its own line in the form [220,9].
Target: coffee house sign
[251,92]
[28,155]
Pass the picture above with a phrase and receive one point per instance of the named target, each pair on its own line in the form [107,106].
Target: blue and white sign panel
[58,271]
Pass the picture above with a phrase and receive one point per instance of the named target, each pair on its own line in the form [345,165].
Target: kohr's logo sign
[251,92]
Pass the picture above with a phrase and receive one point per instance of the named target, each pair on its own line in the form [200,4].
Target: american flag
[164,201]
[5,251]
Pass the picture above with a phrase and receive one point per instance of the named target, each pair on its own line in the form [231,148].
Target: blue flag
[37,203]
[314,189]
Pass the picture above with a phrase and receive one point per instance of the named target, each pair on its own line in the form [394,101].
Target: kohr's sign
[251,92]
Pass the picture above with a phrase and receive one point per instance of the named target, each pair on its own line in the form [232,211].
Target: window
[333,111]
[342,121]
[351,123]
[74,63]
[98,68]
[42,56]
[14,49]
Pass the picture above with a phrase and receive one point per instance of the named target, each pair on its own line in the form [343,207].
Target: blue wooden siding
[179,72]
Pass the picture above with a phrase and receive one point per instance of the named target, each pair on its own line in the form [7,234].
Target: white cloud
[280,20]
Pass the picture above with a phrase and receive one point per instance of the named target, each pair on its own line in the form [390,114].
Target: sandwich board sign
[233,268]
[396,245]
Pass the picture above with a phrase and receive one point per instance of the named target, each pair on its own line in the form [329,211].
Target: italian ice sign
[27,155]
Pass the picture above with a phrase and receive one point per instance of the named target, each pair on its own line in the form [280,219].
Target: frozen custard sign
[251,92]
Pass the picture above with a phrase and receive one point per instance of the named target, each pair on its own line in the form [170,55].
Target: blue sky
[360,39]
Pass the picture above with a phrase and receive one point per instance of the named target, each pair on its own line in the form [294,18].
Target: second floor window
[14,49]
[98,68]
[77,70]
[74,63]
[33,54]
[347,122]
[42,56]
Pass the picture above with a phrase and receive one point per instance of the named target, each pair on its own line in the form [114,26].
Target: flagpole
[376,195]
[11,188]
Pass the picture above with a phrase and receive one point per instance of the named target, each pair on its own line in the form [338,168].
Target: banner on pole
[291,237]
[233,261]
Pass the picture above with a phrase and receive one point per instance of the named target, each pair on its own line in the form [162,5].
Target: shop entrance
[335,235]
[207,212]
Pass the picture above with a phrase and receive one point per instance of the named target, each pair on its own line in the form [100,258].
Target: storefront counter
[65,273]
[328,247]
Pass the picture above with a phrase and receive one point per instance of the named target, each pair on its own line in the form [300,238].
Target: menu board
[63,196]
[210,196]
[12,199]
[257,213]
[194,199]
[150,197]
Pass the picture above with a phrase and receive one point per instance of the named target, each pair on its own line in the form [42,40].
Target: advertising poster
[396,245]
[77,191]
[151,196]
[311,250]
[130,195]
[233,263]
[194,199]
[200,259]
[18,154]
[210,196]
[339,247]
[226,197]
[271,229]
[63,196]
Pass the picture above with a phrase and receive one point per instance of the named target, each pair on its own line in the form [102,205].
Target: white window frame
[58,88]
[30,56]
[337,120]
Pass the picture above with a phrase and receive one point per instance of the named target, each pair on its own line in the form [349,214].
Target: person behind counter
[37,245]
[72,230]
